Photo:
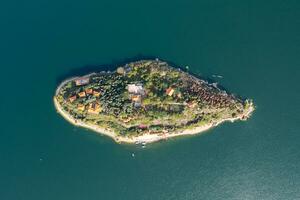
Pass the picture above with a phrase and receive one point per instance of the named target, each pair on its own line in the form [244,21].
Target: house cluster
[92,107]
[85,93]
[136,93]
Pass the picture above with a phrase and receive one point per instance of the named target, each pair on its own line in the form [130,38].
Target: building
[94,108]
[136,89]
[96,93]
[81,107]
[143,126]
[137,104]
[127,69]
[170,91]
[89,91]
[136,98]
[73,98]
[136,92]
[191,104]
[179,95]
[82,81]
[121,71]
[81,94]
[137,101]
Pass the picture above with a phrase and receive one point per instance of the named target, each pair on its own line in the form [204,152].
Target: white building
[136,89]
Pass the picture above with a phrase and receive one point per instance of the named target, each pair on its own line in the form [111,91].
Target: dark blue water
[254,45]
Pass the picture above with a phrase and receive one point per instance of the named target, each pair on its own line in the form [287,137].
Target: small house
[136,98]
[94,108]
[179,95]
[81,107]
[170,91]
[127,69]
[81,94]
[137,104]
[89,91]
[73,98]
[191,104]
[96,93]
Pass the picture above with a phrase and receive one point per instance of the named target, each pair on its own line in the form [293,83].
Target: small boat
[217,76]
[132,155]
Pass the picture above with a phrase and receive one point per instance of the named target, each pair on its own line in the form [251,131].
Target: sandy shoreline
[147,138]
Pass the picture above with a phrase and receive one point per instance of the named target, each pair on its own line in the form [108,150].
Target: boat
[217,76]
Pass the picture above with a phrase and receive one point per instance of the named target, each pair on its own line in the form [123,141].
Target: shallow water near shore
[253,45]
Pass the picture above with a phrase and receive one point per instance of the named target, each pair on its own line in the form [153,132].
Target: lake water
[254,45]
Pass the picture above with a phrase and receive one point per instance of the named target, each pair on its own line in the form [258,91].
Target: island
[146,101]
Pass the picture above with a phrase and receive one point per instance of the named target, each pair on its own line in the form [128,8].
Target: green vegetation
[147,97]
